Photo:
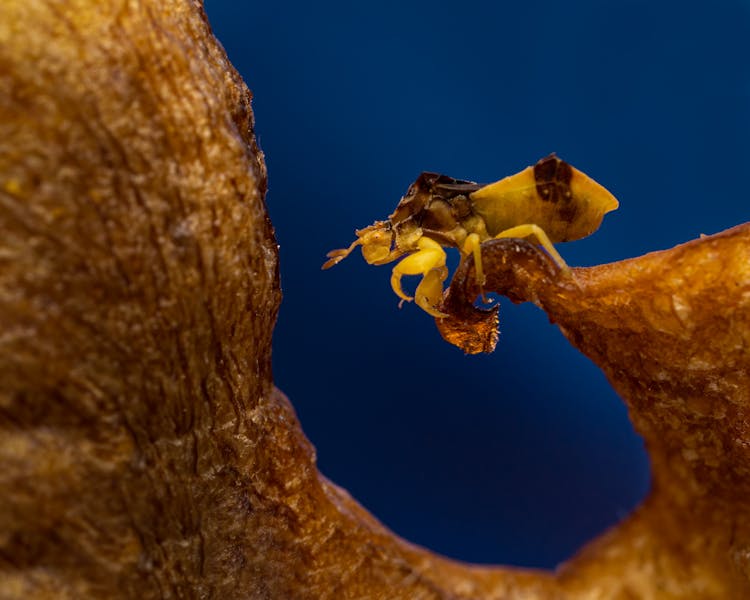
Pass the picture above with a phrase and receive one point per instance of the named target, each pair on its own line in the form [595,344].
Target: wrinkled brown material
[144,451]
[671,330]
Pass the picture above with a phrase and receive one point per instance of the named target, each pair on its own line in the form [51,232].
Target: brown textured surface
[144,451]
[138,290]
[671,330]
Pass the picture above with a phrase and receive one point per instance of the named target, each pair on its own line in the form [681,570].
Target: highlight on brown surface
[144,451]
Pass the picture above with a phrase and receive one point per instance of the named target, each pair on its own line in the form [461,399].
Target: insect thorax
[438,207]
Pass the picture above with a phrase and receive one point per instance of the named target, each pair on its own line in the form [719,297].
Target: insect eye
[376,245]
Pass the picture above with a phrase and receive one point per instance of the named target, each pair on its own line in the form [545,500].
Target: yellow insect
[549,202]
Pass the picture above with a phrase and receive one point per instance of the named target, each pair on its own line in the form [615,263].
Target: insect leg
[428,261]
[473,245]
[531,230]
[429,292]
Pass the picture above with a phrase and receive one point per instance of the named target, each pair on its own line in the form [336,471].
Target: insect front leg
[429,292]
[534,231]
[428,261]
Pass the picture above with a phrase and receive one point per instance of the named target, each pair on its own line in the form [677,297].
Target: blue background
[521,456]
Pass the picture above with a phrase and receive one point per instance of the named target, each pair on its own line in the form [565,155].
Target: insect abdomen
[560,199]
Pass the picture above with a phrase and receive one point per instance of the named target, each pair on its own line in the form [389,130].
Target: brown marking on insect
[552,176]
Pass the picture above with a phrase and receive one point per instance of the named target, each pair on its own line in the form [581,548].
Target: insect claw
[396,286]
[428,261]
[429,292]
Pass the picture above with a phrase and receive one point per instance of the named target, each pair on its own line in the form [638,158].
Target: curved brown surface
[144,450]
[671,331]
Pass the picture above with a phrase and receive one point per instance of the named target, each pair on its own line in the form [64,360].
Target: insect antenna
[336,256]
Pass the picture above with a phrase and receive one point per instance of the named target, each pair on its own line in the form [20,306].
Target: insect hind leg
[530,230]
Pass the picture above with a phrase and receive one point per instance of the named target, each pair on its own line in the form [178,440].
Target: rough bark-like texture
[138,291]
[144,451]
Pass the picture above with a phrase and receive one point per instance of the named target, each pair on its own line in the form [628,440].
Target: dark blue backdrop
[521,456]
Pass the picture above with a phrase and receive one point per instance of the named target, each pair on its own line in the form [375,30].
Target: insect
[549,202]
